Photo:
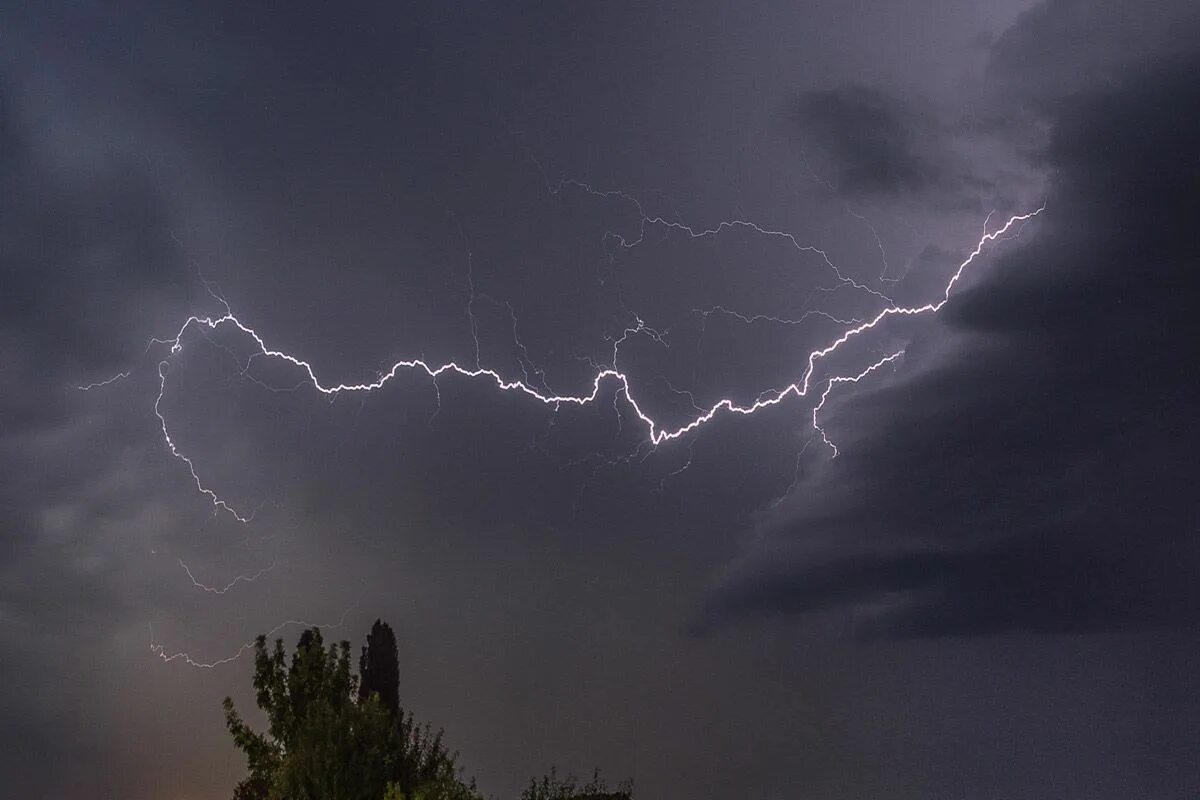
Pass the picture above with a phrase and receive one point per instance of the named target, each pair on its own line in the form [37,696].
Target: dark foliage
[379,667]
[334,736]
[325,741]
[551,787]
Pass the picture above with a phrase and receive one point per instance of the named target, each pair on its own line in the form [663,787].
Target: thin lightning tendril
[749,319]
[160,651]
[883,274]
[646,221]
[120,376]
[231,584]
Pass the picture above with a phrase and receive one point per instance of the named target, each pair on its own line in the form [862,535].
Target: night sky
[979,577]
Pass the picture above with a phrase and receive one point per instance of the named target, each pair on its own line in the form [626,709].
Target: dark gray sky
[991,592]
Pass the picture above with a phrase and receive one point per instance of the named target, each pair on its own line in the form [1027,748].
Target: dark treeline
[334,735]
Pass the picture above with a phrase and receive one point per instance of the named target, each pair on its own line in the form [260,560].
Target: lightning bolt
[839,379]
[611,374]
[222,590]
[750,319]
[120,376]
[655,432]
[160,651]
[163,366]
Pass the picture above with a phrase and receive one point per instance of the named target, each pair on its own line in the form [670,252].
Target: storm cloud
[1033,480]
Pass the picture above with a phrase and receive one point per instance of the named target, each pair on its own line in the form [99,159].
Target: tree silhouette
[552,787]
[332,735]
[325,740]
[320,743]
[379,667]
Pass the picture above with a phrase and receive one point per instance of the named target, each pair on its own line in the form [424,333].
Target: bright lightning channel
[656,433]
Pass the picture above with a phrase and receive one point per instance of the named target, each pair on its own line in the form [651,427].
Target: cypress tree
[379,667]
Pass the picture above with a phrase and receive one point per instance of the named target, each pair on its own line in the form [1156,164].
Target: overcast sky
[993,589]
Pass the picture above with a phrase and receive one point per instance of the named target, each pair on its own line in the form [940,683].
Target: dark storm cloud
[1040,479]
[876,142]
[1061,48]
[881,146]
[1060,582]
[80,251]
[82,247]
[86,252]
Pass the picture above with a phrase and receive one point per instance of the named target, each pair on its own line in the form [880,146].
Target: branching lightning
[838,379]
[884,277]
[532,382]
[656,433]
[646,221]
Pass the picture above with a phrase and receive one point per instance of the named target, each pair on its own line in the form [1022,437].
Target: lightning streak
[231,584]
[750,319]
[656,433]
[646,221]
[160,651]
[883,275]
[845,379]
[217,502]
[120,376]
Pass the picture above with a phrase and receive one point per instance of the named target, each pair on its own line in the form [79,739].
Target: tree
[552,787]
[320,744]
[422,759]
[326,741]
[379,667]
[332,735]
